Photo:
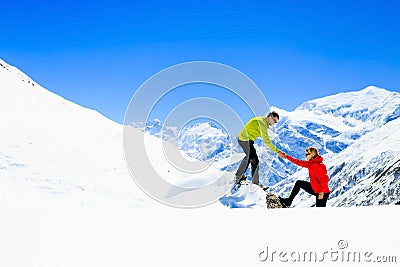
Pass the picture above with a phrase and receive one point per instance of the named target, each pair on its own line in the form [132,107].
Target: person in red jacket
[318,185]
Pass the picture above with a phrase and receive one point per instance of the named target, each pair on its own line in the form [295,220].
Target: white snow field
[67,199]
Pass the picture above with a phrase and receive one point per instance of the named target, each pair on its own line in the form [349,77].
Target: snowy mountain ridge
[341,127]
[366,173]
[52,148]
[15,72]
[54,151]
[331,124]
[371,104]
[201,141]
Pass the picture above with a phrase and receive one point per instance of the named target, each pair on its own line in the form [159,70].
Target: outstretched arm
[264,134]
[268,143]
[301,163]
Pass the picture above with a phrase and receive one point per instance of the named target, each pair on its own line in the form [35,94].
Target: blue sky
[97,53]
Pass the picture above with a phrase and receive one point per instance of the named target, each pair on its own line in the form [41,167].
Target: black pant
[307,187]
[251,157]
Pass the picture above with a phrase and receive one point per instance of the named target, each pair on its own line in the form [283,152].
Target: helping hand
[282,154]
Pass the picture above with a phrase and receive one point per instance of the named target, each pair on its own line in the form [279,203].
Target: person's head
[311,152]
[273,117]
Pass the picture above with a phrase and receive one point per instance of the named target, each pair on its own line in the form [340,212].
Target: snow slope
[54,152]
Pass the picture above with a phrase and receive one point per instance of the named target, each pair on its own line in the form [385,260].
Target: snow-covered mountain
[54,149]
[357,134]
[366,173]
[158,129]
[373,106]
[54,152]
[333,124]
[56,155]
[205,141]
[201,141]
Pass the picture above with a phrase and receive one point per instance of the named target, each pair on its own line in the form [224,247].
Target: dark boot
[285,202]
[239,180]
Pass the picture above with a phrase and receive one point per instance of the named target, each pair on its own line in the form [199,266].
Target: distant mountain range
[344,127]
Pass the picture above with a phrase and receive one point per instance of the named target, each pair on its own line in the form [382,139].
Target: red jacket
[317,171]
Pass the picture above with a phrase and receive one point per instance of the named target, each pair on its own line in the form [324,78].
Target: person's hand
[321,195]
[282,154]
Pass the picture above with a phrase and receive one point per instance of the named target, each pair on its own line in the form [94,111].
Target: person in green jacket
[254,128]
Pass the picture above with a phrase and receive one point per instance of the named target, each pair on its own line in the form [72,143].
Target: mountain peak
[371,104]
[15,73]
[373,89]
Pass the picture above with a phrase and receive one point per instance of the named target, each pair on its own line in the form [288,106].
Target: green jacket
[257,126]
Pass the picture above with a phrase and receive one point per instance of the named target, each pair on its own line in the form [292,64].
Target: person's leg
[246,160]
[254,164]
[306,186]
[322,202]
